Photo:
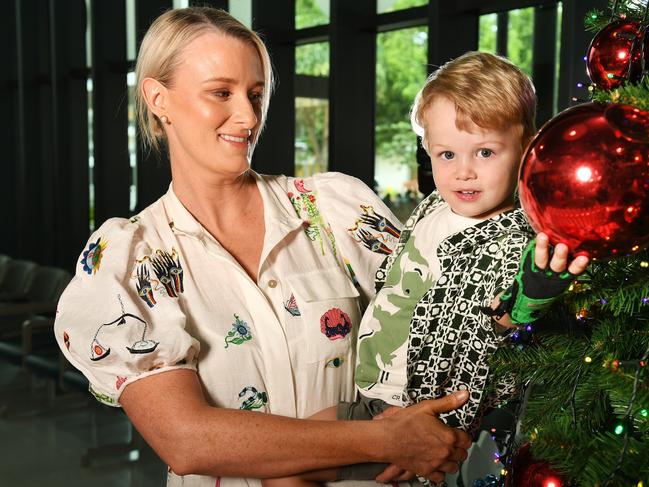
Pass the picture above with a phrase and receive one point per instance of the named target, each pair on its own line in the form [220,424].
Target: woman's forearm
[170,412]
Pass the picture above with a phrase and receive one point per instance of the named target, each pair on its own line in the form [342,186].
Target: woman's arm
[171,413]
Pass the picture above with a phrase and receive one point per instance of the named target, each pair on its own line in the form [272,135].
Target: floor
[67,440]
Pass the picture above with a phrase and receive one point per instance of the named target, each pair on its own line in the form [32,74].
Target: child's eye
[256,97]
[447,155]
[485,153]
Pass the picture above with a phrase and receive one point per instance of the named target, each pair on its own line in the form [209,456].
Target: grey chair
[4,262]
[16,279]
[39,298]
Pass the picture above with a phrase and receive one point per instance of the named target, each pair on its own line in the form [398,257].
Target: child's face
[475,172]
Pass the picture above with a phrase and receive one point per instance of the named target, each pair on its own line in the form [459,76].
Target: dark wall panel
[153,171]
[70,130]
[352,88]
[275,152]
[9,129]
[34,170]
[543,69]
[112,172]
[574,43]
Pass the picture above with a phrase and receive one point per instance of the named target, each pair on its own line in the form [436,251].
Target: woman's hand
[424,445]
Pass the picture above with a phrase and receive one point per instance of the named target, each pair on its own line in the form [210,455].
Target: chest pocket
[329,309]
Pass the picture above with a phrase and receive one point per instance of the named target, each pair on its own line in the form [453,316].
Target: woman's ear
[155,95]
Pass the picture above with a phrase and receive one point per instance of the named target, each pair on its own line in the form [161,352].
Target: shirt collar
[180,218]
[275,212]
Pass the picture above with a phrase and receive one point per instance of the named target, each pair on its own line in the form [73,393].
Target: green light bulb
[619,429]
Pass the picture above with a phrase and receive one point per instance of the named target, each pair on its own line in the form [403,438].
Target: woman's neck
[217,199]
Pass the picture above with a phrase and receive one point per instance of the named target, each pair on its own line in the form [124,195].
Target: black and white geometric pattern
[450,340]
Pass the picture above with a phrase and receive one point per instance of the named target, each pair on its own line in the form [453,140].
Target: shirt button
[272,283]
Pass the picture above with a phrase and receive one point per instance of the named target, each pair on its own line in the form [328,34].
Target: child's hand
[537,285]
[559,257]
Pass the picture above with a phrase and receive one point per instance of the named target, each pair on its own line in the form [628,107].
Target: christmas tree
[584,378]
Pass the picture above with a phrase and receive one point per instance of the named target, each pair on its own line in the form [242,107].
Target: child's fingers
[578,265]
[542,251]
[559,259]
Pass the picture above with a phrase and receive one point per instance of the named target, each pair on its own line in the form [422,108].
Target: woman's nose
[245,113]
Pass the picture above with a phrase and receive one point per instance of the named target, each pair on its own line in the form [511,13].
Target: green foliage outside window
[488,33]
[401,58]
[312,59]
[520,38]
[309,13]
[383,6]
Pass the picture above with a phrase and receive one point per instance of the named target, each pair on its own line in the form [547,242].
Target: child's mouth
[468,195]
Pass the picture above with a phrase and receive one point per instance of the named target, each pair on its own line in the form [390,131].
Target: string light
[644,413]
[644,263]
[588,360]
[619,429]
[552,482]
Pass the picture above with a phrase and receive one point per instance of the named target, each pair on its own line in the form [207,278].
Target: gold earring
[164,119]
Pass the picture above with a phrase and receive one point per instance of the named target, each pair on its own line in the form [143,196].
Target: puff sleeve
[110,323]
[365,229]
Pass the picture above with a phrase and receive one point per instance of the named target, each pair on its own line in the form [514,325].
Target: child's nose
[465,170]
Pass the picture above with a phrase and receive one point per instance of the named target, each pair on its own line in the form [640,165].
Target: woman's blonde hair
[159,56]
[487,90]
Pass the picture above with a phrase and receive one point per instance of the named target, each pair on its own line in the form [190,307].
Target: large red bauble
[584,180]
[610,54]
[528,472]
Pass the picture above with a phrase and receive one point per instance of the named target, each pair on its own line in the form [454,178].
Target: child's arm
[536,286]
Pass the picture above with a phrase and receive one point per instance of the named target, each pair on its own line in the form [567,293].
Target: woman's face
[214,105]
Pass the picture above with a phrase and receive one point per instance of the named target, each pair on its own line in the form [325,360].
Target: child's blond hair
[487,90]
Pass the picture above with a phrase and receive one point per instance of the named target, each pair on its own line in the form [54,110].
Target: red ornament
[612,51]
[527,472]
[584,180]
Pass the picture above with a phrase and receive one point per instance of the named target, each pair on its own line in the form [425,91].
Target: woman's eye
[256,97]
[221,94]
[448,155]
[485,153]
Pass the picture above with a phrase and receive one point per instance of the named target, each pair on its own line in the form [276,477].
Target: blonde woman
[230,307]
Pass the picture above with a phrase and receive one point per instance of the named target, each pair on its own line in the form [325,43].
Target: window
[384,6]
[520,38]
[311,109]
[488,33]
[309,13]
[401,60]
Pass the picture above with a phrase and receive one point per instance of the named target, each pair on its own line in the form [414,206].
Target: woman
[236,293]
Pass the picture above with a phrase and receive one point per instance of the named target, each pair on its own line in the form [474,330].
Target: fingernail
[461,395]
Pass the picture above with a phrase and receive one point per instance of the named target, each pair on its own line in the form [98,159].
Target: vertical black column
[34,171]
[153,171]
[502,33]
[69,158]
[543,66]
[275,21]
[574,44]
[451,33]
[112,173]
[9,129]
[352,88]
